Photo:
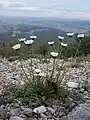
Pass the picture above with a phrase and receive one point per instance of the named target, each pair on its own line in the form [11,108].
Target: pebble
[40,109]
[27,111]
[16,118]
[52,111]
[72,84]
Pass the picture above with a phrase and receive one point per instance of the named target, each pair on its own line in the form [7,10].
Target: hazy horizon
[45,18]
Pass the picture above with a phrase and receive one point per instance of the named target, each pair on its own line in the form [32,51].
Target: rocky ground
[77,77]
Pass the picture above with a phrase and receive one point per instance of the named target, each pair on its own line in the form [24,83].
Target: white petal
[64,44]
[70,34]
[51,43]
[16,47]
[33,37]
[54,54]
[28,42]
[60,37]
[22,39]
[80,35]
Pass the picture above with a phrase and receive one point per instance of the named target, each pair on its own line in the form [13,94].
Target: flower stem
[53,68]
[78,48]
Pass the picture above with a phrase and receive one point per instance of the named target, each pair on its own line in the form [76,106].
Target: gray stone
[52,111]
[85,93]
[27,111]
[14,105]
[88,85]
[63,118]
[88,101]
[55,107]
[34,119]
[82,112]
[16,118]
[81,90]
[22,116]
[44,117]
[15,111]
[86,97]
[72,84]
[61,114]
[2,113]
[22,108]
[40,109]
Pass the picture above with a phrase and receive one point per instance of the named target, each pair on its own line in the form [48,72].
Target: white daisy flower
[64,45]
[60,38]
[80,35]
[22,39]
[54,54]
[51,43]
[28,42]
[70,34]
[33,37]
[16,47]
[37,71]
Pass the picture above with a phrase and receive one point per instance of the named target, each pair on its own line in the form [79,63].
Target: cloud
[47,8]
[15,5]
[31,8]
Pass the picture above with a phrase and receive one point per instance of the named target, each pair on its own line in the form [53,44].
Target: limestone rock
[40,109]
[16,118]
[82,112]
[72,84]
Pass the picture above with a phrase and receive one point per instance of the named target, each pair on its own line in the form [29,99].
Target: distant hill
[44,34]
[12,28]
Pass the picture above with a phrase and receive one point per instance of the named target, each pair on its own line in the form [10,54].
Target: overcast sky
[46,8]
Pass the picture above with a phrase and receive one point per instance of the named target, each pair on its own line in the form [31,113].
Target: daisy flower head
[16,47]
[54,54]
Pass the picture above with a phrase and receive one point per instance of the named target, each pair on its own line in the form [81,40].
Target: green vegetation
[36,88]
[71,50]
